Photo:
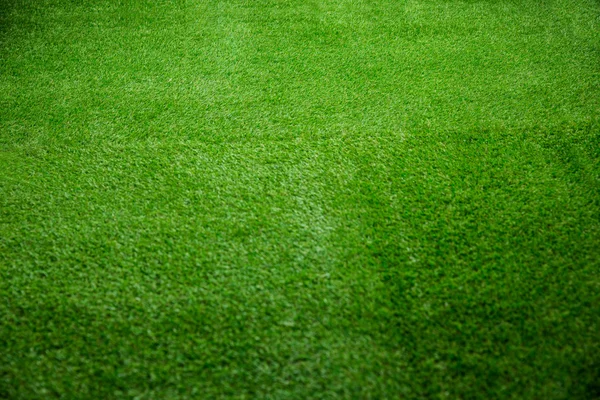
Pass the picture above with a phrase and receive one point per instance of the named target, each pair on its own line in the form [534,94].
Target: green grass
[294,199]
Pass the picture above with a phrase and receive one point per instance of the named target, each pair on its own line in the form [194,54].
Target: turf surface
[299,199]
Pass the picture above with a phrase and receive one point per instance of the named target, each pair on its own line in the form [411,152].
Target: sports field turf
[299,199]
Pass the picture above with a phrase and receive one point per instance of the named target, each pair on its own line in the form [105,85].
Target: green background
[300,199]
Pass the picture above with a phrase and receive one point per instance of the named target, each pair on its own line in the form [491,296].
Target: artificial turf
[299,199]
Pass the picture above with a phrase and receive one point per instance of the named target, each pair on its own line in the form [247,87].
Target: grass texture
[299,199]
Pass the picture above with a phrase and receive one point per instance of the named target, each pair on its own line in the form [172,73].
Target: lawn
[300,199]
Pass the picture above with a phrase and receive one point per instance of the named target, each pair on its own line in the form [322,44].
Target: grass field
[299,199]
